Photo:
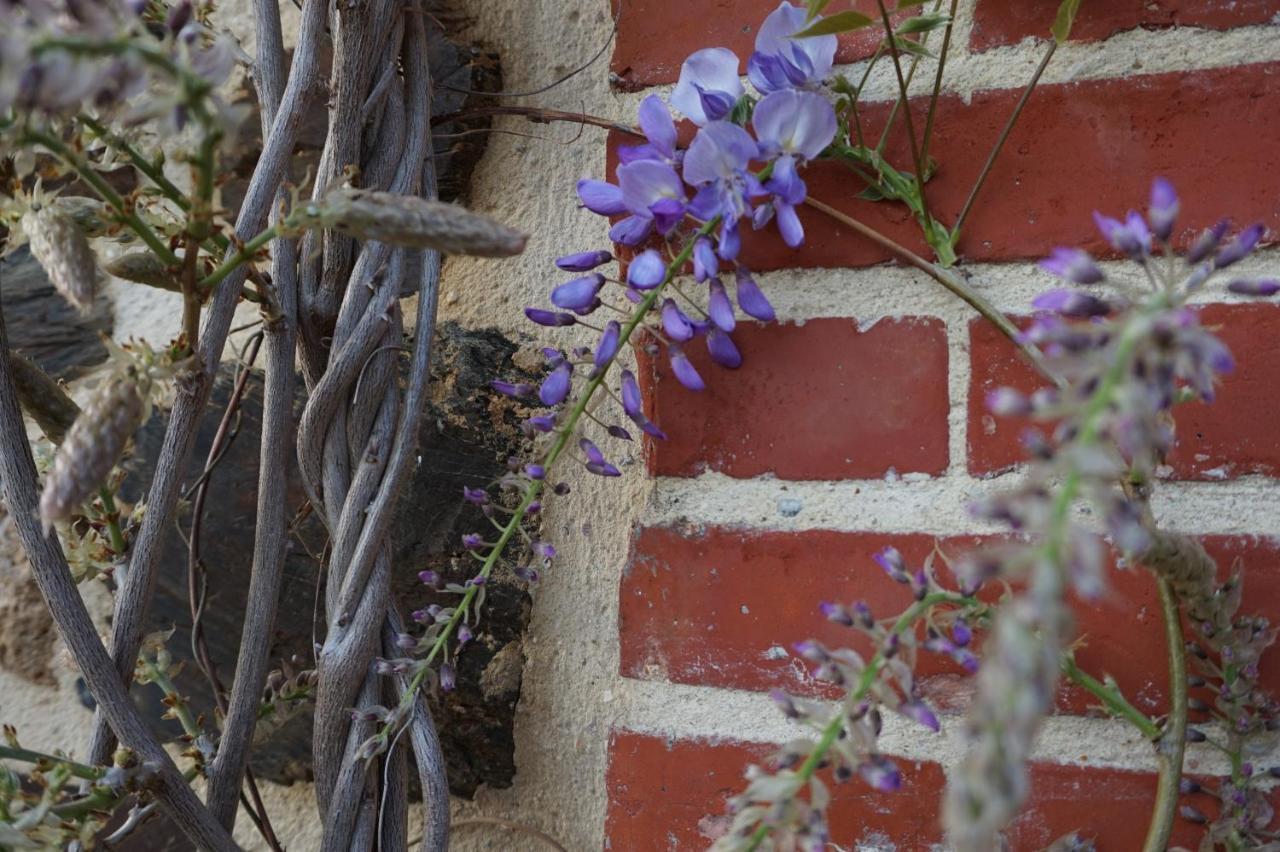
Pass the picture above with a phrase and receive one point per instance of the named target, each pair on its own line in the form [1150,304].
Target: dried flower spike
[63,251]
[412,222]
[92,447]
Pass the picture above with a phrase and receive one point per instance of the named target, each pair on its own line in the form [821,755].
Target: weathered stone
[26,628]
[44,326]
[468,434]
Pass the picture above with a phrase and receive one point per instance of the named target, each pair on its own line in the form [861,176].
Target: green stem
[181,709]
[1172,747]
[868,678]
[104,189]
[946,278]
[26,755]
[243,255]
[1004,136]
[937,82]
[906,115]
[1110,696]
[111,516]
[552,455]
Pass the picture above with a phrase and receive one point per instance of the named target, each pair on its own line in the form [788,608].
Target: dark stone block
[46,327]
[468,434]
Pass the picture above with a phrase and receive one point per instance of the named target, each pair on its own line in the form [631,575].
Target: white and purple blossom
[781,61]
[717,164]
[709,85]
[792,128]
[660,131]
[654,195]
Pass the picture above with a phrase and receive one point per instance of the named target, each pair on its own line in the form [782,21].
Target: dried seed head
[64,252]
[143,267]
[92,447]
[412,222]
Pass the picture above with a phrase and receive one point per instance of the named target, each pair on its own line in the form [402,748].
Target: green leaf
[814,8]
[840,23]
[872,193]
[923,24]
[1066,16]
[907,4]
[915,48]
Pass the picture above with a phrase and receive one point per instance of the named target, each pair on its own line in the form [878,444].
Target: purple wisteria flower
[658,128]
[709,85]
[792,127]
[654,195]
[717,164]
[783,62]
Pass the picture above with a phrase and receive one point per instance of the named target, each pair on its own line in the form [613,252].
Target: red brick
[718,607]
[656,36]
[666,795]
[822,400]
[1109,805]
[1234,436]
[1001,22]
[1078,147]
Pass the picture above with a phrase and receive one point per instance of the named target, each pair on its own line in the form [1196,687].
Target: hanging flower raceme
[694,201]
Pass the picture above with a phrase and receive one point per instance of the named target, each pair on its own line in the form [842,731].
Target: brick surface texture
[843,399]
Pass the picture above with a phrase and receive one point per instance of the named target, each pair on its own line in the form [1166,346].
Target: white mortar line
[933,505]
[681,711]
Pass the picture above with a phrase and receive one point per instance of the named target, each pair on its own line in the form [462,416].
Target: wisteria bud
[143,267]
[92,447]
[63,252]
[412,222]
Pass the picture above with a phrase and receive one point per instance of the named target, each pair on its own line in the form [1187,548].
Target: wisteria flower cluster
[56,58]
[679,212]
[1124,361]
[772,803]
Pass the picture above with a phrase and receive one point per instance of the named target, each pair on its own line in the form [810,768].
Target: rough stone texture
[26,628]
[44,326]
[844,383]
[466,438]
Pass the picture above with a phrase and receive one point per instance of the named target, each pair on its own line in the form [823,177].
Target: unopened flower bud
[63,251]
[412,222]
[92,447]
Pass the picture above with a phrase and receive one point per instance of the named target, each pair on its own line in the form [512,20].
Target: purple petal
[789,225]
[1240,247]
[785,182]
[719,152]
[591,451]
[1164,208]
[1246,287]
[705,263]
[752,300]
[792,122]
[549,318]
[646,270]
[603,469]
[709,72]
[608,346]
[655,121]
[918,711]
[557,385]
[684,369]
[1072,264]
[675,323]
[579,293]
[542,422]
[645,183]
[632,230]
[631,401]
[719,308]
[601,197]
[619,433]
[722,350]
[1071,303]
[584,261]
[730,241]
[510,389]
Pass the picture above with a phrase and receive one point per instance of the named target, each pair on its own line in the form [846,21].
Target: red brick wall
[886,392]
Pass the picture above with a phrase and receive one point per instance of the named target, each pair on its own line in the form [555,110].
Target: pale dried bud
[143,267]
[92,447]
[64,252]
[412,222]
[91,216]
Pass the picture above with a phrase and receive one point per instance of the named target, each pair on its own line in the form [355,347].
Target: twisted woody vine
[1119,345]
